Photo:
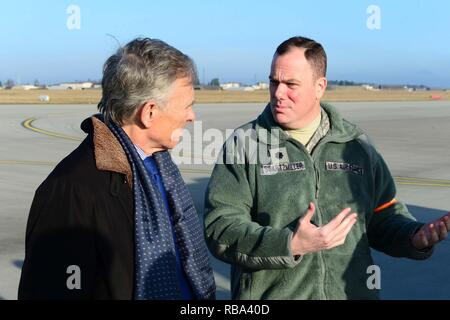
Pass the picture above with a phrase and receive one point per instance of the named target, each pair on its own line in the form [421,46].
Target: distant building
[369,87]
[236,86]
[207,87]
[239,89]
[72,86]
[56,87]
[260,86]
[230,85]
[409,88]
[25,87]
[393,87]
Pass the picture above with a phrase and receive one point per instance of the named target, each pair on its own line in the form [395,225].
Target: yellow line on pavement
[53,164]
[422,182]
[206,171]
[29,163]
[425,184]
[422,179]
[28,124]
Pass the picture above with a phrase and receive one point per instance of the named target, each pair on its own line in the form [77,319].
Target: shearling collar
[109,154]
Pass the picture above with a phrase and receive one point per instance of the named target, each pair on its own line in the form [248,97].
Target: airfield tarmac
[413,137]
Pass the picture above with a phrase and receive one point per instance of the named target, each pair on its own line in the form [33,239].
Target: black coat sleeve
[60,260]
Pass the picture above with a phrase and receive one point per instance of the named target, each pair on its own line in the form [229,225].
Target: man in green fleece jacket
[299,195]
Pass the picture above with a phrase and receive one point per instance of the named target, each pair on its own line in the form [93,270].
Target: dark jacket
[83,215]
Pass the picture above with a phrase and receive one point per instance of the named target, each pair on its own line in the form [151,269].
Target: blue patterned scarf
[155,256]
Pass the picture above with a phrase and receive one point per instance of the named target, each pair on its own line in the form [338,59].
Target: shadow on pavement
[408,279]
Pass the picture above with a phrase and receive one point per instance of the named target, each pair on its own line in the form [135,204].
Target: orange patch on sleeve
[386,205]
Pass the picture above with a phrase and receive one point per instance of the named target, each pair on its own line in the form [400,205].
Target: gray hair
[142,70]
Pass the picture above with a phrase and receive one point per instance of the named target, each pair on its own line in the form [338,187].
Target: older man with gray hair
[114,219]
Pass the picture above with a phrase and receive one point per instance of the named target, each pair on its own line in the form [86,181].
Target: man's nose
[280,91]
[191,116]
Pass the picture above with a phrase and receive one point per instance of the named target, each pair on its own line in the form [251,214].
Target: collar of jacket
[108,152]
[341,130]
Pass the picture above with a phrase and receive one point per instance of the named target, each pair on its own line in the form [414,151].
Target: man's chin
[280,118]
[170,145]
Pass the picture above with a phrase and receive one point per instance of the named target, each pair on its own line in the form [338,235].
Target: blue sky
[232,40]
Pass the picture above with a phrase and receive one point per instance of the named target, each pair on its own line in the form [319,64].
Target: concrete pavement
[413,137]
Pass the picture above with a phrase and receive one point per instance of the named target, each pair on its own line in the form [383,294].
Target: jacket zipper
[323,264]
[314,152]
[318,213]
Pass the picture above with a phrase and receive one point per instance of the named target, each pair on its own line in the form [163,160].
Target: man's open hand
[432,233]
[310,238]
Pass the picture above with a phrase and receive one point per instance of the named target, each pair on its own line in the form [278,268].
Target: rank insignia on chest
[278,155]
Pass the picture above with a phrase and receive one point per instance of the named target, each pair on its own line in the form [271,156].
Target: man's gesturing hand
[432,233]
[310,238]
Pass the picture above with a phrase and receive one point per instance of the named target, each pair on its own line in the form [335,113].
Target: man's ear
[321,86]
[147,113]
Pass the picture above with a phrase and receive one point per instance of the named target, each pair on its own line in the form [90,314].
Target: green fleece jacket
[263,183]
